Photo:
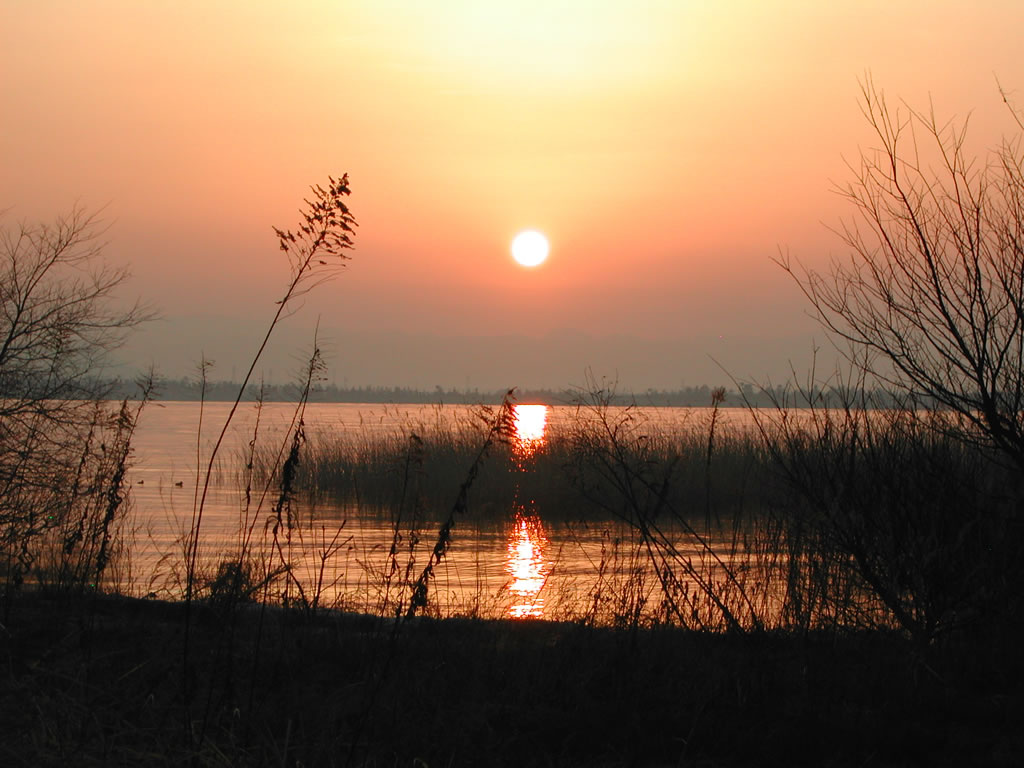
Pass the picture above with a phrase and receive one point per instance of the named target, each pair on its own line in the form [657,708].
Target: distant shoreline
[686,397]
[219,391]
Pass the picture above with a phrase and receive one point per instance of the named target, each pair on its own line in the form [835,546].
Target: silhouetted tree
[59,321]
[930,297]
[58,317]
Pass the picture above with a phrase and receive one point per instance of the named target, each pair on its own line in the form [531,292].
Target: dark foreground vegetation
[102,681]
[838,585]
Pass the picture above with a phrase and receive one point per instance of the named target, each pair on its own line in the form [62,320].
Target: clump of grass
[839,519]
[889,520]
[68,529]
[499,430]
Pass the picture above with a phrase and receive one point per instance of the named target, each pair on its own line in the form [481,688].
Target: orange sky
[668,149]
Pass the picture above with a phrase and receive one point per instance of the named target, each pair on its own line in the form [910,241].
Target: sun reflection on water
[530,422]
[526,566]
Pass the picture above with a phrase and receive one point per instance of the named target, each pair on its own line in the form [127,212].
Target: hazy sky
[667,149]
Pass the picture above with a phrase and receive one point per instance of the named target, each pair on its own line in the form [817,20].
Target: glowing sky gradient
[667,150]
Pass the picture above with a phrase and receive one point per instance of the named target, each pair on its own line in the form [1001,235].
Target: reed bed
[374,469]
[821,519]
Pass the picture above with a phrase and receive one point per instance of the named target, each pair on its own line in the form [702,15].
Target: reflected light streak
[530,422]
[526,566]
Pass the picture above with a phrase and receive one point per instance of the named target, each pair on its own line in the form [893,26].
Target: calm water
[518,566]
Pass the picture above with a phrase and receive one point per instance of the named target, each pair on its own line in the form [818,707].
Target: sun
[530,248]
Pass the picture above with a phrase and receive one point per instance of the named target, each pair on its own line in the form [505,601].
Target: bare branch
[930,295]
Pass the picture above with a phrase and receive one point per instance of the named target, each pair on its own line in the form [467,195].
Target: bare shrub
[929,298]
[63,450]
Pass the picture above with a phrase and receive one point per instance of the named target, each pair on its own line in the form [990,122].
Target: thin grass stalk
[325,233]
[500,428]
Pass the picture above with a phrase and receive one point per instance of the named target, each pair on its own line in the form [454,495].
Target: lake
[519,563]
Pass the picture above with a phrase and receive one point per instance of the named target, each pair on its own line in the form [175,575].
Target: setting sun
[530,248]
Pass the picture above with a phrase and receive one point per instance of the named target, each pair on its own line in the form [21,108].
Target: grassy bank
[102,682]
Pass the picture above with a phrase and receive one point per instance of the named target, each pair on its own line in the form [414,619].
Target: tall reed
[315,251]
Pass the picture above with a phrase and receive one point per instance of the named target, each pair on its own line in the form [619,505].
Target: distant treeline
[747,395]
